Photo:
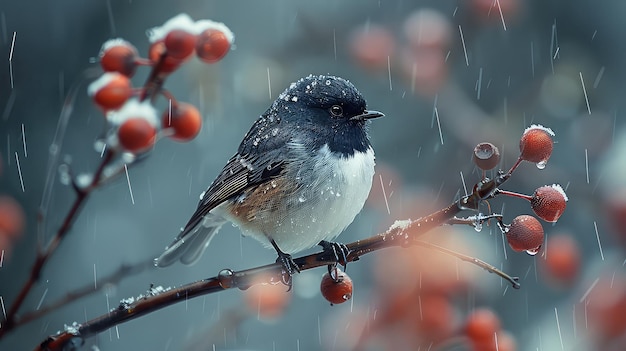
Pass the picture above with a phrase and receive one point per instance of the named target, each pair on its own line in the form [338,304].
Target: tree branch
[82,194]
[402,233]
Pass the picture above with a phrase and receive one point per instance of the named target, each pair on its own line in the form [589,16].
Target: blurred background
[448,74]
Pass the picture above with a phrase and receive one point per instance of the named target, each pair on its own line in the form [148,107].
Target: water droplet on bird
[302,198]
[327,81]
[273,183]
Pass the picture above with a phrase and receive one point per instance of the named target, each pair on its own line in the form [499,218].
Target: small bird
[300,176]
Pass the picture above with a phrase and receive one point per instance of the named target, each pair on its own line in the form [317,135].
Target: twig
[122,272]
[44,254]
[473,260]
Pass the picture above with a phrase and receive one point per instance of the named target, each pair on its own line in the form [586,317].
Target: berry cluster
[135,122]
[548,202]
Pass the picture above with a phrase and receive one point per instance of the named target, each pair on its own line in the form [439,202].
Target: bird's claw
[338,250]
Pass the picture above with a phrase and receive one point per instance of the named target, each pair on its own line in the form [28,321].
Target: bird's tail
[191,243]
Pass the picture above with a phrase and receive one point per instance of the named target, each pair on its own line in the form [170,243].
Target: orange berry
[136,134]
[169,63]
[336,290]
[184,120]
[428,28]
[562,261]
[481,325]
[435,319]
[371,46]
[500,341]
[536,144]
[525,234]
[111,90]
[267,300]
[11,217]
[486,156]
[549,202]
[212,45]
[179,44]
[120,56]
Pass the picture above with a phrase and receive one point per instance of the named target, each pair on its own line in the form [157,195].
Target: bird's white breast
[331,192]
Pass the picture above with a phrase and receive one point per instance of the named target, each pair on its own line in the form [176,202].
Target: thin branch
[124,271]
[473,260]
[44,254]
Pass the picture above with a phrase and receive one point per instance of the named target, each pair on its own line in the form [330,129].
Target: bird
[300,175]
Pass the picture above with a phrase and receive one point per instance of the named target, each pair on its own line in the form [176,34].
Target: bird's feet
[290,267]
[339,252]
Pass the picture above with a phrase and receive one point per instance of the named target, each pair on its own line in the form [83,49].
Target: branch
[82,194]
[402,233]
[125,270]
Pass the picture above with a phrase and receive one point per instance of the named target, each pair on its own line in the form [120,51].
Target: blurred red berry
[111,90]
[525,234]
[500,341]
[180,44]
[11,217]
[482,325]
[549,202]
[336,290]
[426,70]
[120,56]
[489,10]
[136,134]
[486,156]
[372,46]
[428,28]
[562,260]
[184,120]
[169,63]
[435,320]
[212,45]
[267,300]
[536,144]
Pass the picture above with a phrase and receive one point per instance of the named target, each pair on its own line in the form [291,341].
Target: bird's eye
[336,110]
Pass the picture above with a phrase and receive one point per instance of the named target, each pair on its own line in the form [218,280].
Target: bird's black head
[323,110]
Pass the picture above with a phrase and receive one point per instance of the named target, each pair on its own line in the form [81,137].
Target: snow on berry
[549,202]
[536,144]
[118,55]
[110,91]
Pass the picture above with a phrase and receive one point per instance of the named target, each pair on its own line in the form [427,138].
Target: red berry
[136,134]
[119,56]
[562,262]
[549,202]
[212,45]
[111,90]
[11,217]
[371,46]
[500,341]
[525,234]
[184,120]
[336,290]
[481,325]
[267,300]
[536,144]
[179,44]
[169,63]
[486,156]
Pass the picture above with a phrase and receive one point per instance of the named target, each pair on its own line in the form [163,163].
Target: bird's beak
[368,114]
